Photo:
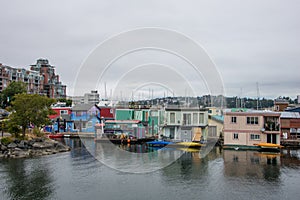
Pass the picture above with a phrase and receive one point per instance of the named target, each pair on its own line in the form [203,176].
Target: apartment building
[40,79]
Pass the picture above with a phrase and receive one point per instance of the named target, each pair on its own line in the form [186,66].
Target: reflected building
[191,166]
[244,164]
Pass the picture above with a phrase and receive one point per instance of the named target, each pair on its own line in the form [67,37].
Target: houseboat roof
[296,109]
[244,111]
[219,118]
[185,109]
[82,107]
[289,115]
[123,121]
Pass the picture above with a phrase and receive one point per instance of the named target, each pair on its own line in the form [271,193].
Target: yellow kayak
[187,144]
[269,145]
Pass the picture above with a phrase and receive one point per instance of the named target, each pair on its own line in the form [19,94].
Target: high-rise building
[53,88]
[40,79]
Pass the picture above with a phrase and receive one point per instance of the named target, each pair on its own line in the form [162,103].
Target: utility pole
[257,91]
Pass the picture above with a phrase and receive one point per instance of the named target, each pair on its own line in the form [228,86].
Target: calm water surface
[222,174]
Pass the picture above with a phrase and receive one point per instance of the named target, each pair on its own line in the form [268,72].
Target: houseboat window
[186,119]
[235,136]
[254,136]
[172,118]
[201,118]
[154,114]
[63,112]
[233,119]
[252,120]
[195,118]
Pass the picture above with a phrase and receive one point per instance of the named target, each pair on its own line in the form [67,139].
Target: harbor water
[221,174]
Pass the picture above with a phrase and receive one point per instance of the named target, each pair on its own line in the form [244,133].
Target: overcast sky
[249,41]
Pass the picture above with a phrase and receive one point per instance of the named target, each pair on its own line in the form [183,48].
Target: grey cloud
[250,41]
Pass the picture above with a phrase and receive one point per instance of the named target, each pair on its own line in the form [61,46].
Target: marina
[78,175]
[149,100]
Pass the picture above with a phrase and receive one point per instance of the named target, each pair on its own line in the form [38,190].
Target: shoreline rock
[31,148]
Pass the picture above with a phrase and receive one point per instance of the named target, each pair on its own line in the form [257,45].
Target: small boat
[158,143]
[269,147]
[52,136]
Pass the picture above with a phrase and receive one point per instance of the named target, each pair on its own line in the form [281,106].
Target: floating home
[244,128]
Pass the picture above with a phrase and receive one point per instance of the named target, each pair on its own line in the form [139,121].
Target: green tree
[31,109]
[67,101]
[8,93]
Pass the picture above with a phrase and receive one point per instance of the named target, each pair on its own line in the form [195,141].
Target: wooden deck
[290,143]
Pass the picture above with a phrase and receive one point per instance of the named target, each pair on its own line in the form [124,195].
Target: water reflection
[251,164]
[222,174]
[78,146]
[134,158]
[190,166]
[290,158]
[27,180]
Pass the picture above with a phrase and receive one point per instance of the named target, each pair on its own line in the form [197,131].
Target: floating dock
[290,143]
[124,141]
[71,135]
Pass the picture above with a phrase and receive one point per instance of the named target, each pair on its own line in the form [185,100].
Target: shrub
[36,131]
[6,140]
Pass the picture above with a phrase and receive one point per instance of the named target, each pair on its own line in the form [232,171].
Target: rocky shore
[31,148]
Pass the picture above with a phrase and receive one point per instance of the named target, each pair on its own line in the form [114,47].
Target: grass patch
[6,140]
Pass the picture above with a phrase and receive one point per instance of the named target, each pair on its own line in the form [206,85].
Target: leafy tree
[68,101]
[12,89]
[31,109]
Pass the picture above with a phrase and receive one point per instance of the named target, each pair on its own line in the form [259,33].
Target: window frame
[195,119]
[171,117]
[201,118]
[233,119]
[254,136]
[187,119]
[235,136]
[63,112]
[252,121]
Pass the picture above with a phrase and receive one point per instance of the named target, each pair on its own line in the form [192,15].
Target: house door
[269,138]
[172,133]
[274,141]
[272,138]
[186,135]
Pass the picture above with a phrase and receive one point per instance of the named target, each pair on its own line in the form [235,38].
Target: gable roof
[82,107]
[293,115]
